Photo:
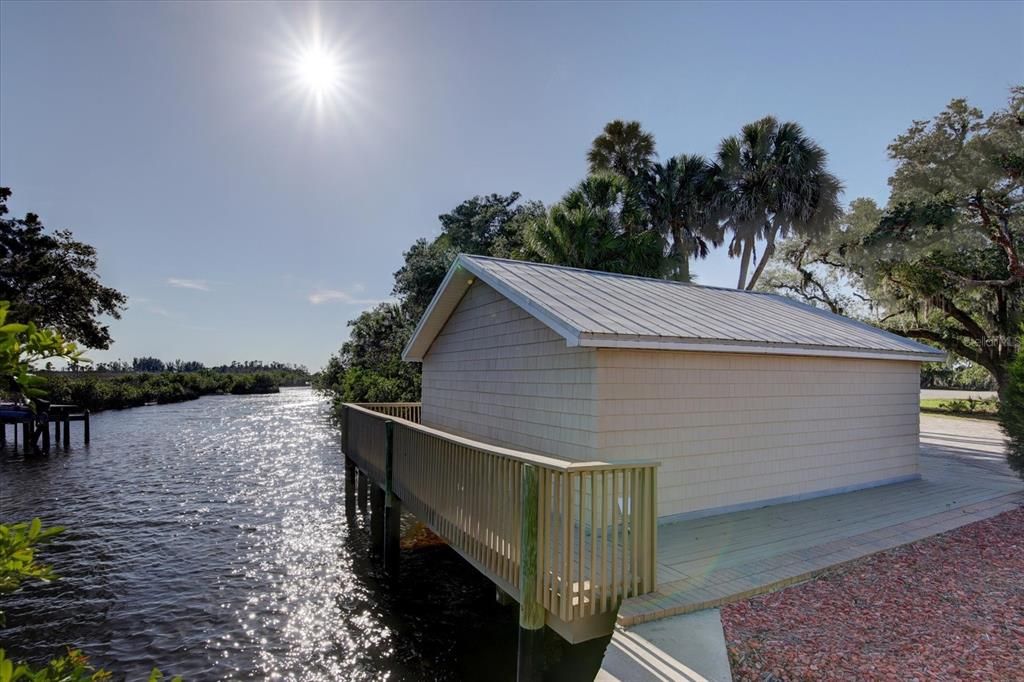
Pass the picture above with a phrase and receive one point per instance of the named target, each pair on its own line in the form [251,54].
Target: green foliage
[623,148]
[946,259]
[986,408]
[587,229]
[956,373]
[101,391]
[71,667]
[369,366]
[1011,410]
[823,269]
[482,226]
[23,345]
[775,183]
[18,563]
[51,279]
[682,199]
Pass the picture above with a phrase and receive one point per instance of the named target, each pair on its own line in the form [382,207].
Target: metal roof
[606,310]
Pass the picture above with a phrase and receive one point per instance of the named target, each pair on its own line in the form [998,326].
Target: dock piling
[85,426]
[377,520]
[362,490]
[46,434]
[67,431]
[530,663]
[392,505]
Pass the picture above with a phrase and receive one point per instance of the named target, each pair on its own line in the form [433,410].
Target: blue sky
[246,223]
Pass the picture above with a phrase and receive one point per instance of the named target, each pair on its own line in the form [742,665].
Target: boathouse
[567,414]
[743,398]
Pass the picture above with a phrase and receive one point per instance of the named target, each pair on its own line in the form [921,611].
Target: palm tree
[776,184]
[623,147]
[682,198]
[586,230]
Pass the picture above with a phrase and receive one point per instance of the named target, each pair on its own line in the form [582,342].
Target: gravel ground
[949,607]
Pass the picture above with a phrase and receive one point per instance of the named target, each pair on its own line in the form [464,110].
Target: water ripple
[209,538]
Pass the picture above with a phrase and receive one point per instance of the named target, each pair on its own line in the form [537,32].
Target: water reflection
[209,538]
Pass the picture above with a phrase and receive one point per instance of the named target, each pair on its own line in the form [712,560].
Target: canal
[209,539]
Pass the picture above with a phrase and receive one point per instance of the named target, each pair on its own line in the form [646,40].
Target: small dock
[35,425]
[568,540]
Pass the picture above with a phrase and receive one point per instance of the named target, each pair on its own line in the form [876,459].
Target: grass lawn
[979,409]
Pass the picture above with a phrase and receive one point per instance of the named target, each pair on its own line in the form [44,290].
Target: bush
[1011,413]
[116,391]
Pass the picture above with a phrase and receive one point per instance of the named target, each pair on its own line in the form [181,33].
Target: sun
[318,70]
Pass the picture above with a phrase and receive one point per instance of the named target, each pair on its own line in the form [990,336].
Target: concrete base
[689,648]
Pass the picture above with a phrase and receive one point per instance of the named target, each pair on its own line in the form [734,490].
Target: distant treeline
[115,390]
[284,374]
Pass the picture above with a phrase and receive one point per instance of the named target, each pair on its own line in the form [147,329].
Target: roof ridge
[617,275]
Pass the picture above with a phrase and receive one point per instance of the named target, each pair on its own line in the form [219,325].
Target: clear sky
[246,222]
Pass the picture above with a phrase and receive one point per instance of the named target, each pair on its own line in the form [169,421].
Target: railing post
[392,505]
[530,664]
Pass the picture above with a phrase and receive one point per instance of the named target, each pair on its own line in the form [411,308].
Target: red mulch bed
[949,607]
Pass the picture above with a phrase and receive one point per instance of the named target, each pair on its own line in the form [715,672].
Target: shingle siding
[732,429]
[497,374]
[729,429]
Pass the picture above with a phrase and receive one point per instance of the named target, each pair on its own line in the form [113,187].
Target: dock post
[67,430]
[392,505]
[3,433]
[26,434]
[44,428]
[350,488]
[56,428]
[377,520]
[85,426]
[530,663]
[362,489]
[502,597]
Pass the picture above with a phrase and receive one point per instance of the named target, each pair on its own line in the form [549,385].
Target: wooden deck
[715,560]
[566,539]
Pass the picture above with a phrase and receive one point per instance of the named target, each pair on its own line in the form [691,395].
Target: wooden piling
[3,433]
[45,433]
[67,430]
[27,431]
[392,505]
[502,597]
[530,663]
[56,429]
[377,520]
[362,490]
[350,488]
[85,426]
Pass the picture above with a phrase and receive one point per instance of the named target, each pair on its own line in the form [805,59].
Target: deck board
[711,561]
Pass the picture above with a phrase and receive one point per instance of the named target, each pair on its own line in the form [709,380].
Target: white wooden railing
[596,534]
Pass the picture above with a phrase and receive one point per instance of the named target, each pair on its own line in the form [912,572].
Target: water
[209,538]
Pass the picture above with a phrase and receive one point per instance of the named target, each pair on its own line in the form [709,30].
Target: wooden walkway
[708,562]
